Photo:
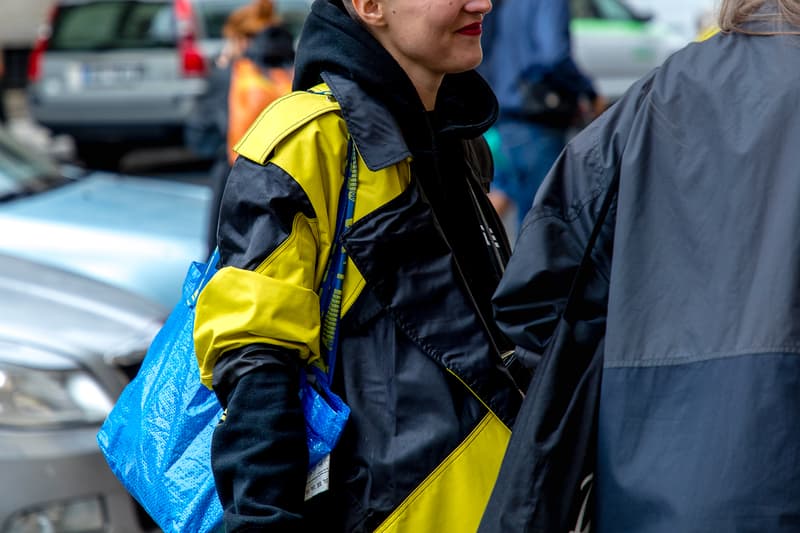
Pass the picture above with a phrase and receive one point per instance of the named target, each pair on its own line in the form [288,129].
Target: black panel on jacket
[266,200]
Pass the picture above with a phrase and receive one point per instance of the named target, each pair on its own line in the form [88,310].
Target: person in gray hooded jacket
[689,311]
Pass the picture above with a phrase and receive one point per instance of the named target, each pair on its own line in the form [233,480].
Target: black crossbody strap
[582,273]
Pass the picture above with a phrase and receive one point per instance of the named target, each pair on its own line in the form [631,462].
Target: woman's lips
[472,29]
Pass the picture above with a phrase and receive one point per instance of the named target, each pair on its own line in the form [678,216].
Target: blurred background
[25,23]
[106,160]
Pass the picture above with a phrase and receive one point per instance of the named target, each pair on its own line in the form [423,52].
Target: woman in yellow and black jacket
[420,363]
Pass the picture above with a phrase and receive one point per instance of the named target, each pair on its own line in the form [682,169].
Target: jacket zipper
[506,357]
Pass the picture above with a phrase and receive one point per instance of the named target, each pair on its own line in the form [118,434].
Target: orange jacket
[252,90]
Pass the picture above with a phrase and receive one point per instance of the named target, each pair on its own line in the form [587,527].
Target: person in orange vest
[243,24]
[263,74]
[241,29]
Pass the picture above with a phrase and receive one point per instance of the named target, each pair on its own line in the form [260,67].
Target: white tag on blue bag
[318,479]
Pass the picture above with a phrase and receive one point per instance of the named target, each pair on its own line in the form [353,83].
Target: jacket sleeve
[266,289]
[548,53]
[254,320]
[257,323]
[258,452]
[534,289]
[276,224]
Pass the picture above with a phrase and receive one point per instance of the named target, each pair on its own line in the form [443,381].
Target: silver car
[68,346]
[119,74]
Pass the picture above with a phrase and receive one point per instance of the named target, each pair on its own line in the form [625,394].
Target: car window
[22,172]
[113,25]
[612,10]
[582,9]
[601,9]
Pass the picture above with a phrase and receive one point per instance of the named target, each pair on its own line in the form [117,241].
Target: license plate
[103,76]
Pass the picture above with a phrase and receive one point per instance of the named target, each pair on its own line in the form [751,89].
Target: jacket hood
[333,42]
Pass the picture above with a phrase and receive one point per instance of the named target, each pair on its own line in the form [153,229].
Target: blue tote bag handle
[325,412]
[208,270]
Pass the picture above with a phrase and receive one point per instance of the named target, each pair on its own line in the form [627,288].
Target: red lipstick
[473,29]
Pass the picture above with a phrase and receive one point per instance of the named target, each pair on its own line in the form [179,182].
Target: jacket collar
[378,135]
[375,132]
[767,20]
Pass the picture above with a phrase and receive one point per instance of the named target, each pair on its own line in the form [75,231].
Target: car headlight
[41,389]
[83,515]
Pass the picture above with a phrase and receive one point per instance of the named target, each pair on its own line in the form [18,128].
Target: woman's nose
[478,6]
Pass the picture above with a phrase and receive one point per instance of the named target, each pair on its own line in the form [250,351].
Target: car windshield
[114,25]
[23,172]
[604,9]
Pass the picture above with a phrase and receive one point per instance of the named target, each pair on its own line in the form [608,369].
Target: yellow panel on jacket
[452,498]
[304,134]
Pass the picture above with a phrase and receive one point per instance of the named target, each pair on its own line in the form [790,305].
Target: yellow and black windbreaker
[431,401]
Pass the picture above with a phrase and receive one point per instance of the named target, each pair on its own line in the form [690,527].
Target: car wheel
[100,155]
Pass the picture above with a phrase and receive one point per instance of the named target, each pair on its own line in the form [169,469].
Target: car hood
[137,233]
[60,312]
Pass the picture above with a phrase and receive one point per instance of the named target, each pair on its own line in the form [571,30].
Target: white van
[615,45]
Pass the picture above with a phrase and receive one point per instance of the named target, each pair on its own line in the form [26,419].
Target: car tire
[101,156]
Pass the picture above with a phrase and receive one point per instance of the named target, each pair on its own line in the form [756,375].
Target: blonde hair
[734,13]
